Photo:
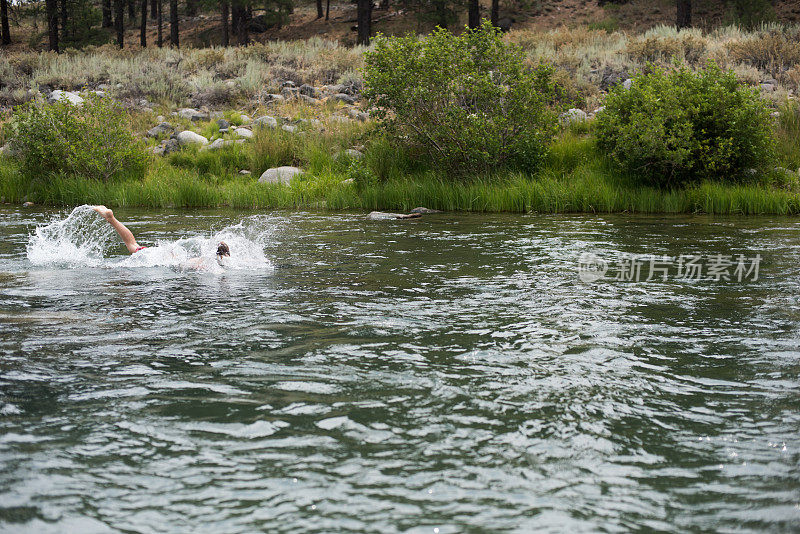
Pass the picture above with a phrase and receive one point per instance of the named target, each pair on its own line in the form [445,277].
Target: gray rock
[288,83]
[157,150]
[101,94]
[767,87]
[223,124]
[161,129]
[311,101]
[289,128]
[245,119]
[265,121]
[273,98]
[279,175]
[572,116]
[192,114]
[385,216]
[340,119]
[244,172]
[342,97]
[627,84]
[352,153]
[357,115]
[308,90]
[188,137]
[289,93]
[424,210]
[243,132]
[27,204]
[217,144]
[59,95]
[170,146]
[103,87]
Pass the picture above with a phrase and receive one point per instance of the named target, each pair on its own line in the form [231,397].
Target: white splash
[82,238]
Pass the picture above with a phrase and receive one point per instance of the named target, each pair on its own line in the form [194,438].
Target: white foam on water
[81,238]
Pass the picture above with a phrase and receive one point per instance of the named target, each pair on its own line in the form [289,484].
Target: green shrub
[93,140]
[468,101]
[671,128]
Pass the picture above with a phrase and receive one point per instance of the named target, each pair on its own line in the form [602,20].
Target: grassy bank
[575,178]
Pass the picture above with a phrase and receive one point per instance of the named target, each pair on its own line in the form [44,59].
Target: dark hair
[222,249]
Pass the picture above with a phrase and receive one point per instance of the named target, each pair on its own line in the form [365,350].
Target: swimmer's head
[222,249]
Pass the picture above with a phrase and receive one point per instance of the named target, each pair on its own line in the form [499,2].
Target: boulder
[289,128]
[422,210]
[288,83]
[170,146]
[627,84]
[192,114]
[572,116]
[357,115]
[160,129]
[244,172]
[188,137]
[273,98]
[385,216]
[768,87]
[243,132]
[342,97]
[265,121]
[223,124]
[59,95]
[217,144]
[279,175]
[311,101]
[289,93]
[352,153]
[245,119]
[308,90]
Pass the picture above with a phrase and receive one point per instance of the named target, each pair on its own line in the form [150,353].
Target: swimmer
[134,247]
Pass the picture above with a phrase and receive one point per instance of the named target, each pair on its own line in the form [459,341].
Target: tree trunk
[63,19]
[239,22]
[327,9]
[132,11]
[191,8]
[173,24]
[495,12]
[5,32]
[52,23]
[364,17]
[225,16]
[320,13]
[143,29]
[153,9]
[107,23]
[119,12]
[159,23]
[474,18]
[684,14]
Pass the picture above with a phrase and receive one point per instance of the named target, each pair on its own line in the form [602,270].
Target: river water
[448,374]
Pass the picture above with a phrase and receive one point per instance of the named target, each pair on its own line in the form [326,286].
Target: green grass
[575,178]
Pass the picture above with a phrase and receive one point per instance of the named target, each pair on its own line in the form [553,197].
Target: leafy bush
[470,102]
[672,128]
[90,141]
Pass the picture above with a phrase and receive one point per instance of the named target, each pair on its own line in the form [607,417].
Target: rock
[170,146]
[273,98]
[265,121]
[385,216]
[279,175]
[192,114]
[217,144]
[245,119]
[223,124]
[340,119]
[572,116]
[157,150]
[289,128]
[422,210]
[188,137]
[599,110]
[27,204]
[776,115]
[243,132]
[342,97]
[160,118]
[103,87]
[352,153]
[289,93]
[767,87]
[348,181]
[161,129]
[288,83]
[101,94]
[59,95]
[627,84]
[244,172]
[308,90]
[357,115]
[311,101]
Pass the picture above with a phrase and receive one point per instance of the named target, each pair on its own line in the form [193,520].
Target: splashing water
[82,238]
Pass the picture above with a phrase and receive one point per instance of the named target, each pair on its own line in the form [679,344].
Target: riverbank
[574,179]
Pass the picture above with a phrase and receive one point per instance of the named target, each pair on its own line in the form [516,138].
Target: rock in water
[59,95]
[188,137]
[424,210]
[279,175]
[385,216]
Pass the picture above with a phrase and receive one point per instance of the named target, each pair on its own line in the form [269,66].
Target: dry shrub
[655,49]
[771,52]
[792,78]
[215,95]
[747,74]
